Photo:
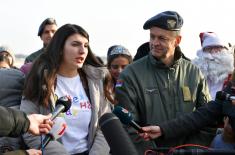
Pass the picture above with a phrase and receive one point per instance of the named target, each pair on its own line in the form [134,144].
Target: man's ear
[177,41]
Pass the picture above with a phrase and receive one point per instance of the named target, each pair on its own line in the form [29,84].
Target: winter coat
[34,55]
[11,87]
[97,144]
[13,124]
[155,93]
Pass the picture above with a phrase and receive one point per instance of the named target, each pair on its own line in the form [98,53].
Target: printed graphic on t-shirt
[77,117]
[78,106]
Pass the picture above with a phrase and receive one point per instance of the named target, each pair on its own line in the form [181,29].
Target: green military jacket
[155,93]
[34,55]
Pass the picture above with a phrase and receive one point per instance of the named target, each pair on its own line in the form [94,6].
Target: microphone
[56,132]
[228,108]
[117,138]
[222,95]
[62,105]
[126,117]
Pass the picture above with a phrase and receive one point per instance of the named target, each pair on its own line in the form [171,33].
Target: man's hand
[39,124]
[34,152]
[150,132]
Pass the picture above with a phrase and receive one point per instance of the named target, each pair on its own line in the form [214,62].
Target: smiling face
[163,43]
[75,52]
[117,66]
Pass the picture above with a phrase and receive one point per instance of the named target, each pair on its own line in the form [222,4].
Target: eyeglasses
[213,49]
[118,66]
[119,50]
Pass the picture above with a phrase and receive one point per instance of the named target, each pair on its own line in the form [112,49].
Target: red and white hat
[211,39]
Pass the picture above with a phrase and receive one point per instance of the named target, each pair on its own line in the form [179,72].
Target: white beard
[215,66]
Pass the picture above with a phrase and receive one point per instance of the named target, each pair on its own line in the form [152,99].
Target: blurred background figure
[226,139]
[215,60]
[7,58]
[142,51]
[46,31]
[11,88]
[12,80]
[118,57]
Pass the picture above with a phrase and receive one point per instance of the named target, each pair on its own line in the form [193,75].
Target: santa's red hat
[211,39]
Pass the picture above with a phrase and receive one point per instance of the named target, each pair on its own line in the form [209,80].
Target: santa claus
[215,60]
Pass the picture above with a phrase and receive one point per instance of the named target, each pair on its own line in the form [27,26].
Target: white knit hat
[211,39]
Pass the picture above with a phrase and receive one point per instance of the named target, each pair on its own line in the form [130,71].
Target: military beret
[48,21]
[168,20]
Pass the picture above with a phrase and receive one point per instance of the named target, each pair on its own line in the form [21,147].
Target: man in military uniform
[46,31]
[163,86]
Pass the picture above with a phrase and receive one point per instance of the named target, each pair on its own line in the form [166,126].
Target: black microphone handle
[57,111]
[116,136]
[222,95]
[136,126]
[46,140]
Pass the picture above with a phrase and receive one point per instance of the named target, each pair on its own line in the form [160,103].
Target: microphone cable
[172,150]
[42,149]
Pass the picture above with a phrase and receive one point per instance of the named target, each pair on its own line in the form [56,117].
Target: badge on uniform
[152,90]
[186,93]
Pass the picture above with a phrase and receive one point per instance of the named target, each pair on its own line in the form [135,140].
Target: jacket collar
[177,58]
[94,72]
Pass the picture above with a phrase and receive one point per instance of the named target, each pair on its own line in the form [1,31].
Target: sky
[112,22]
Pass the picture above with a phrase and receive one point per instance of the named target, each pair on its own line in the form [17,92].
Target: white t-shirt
[78,116]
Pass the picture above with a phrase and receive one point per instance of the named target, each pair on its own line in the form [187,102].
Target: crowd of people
[170,96]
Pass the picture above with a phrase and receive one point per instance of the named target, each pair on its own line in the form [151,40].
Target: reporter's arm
[150,132]
[185,124]
[18,152]
[14,122]
[39,124]
[24,152]
[32,141]
[192,122]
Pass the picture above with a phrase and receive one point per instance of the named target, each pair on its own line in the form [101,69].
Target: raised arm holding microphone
[15,123]
[224,105]
[162,85]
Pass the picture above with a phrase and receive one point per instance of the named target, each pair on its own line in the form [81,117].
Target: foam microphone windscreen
[64,101]
[126,117]
[62,105]
[116,136]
